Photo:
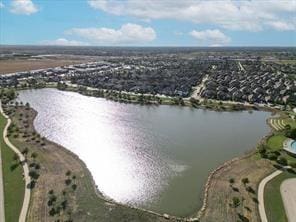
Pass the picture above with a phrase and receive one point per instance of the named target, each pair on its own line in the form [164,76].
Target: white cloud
[282,26]
[63,42]
[24,7]
[2,5]
[212,37]
[126,34]
[249,15]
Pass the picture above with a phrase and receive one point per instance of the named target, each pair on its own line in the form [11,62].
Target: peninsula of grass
[273,202]
[14,185]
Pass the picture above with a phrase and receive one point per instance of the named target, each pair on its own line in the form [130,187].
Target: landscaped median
[14,185]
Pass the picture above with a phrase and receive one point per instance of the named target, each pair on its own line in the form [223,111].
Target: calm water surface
[155,157]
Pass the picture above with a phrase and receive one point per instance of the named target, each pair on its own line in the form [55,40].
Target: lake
[153,157]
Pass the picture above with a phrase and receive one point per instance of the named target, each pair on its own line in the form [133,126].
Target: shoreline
[228,163]
[200,211]
[205,104]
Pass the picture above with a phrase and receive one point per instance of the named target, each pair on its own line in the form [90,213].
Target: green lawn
[14,186]
[273,200]
[276,142]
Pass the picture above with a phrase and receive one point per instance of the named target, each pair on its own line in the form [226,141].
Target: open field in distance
[19,65]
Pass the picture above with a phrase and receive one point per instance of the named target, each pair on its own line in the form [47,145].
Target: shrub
[293,164]
[282,160]
[262,149]
[272,156]
[74,186]
[68,182]
[33,174]
[245,180]
[235,202]
[231,180]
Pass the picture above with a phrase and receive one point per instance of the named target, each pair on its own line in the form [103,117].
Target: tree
[282,160]
[33,174]
[15,157]
[262,149]
[293,164]
[288,127]
[74,186]
[245,180]
[291,133]
[27,105]
[25,151]
[34,155]
[235,202]
[68,182]
[231,181]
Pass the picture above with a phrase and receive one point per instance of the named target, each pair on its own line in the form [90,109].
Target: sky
[148,22]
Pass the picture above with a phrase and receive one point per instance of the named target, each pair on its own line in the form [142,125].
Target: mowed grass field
[14,186]
[273,199]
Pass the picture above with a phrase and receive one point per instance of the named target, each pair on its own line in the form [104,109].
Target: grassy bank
[273,200]
[14,186]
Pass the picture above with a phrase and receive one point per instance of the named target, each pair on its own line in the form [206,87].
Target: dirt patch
[288,191]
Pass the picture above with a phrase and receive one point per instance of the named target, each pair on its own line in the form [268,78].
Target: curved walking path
[261,194]
[288,192]
[26,202]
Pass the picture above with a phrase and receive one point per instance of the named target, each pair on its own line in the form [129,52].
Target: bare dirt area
[65,190]
[232,195]
[19,65]
[288,191]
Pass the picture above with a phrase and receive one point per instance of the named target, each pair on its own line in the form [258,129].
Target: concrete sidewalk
[261,194]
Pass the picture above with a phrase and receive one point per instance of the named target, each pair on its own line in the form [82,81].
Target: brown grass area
[221,192]
[19,65]
[84,203]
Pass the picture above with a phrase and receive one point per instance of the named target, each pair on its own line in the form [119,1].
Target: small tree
[34,155]
[15,157]
[68,182]
[291,133]
[282,160]
[235,202]
[74,186]
[231,181]
[25,151]
[245,180]
[293,164]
